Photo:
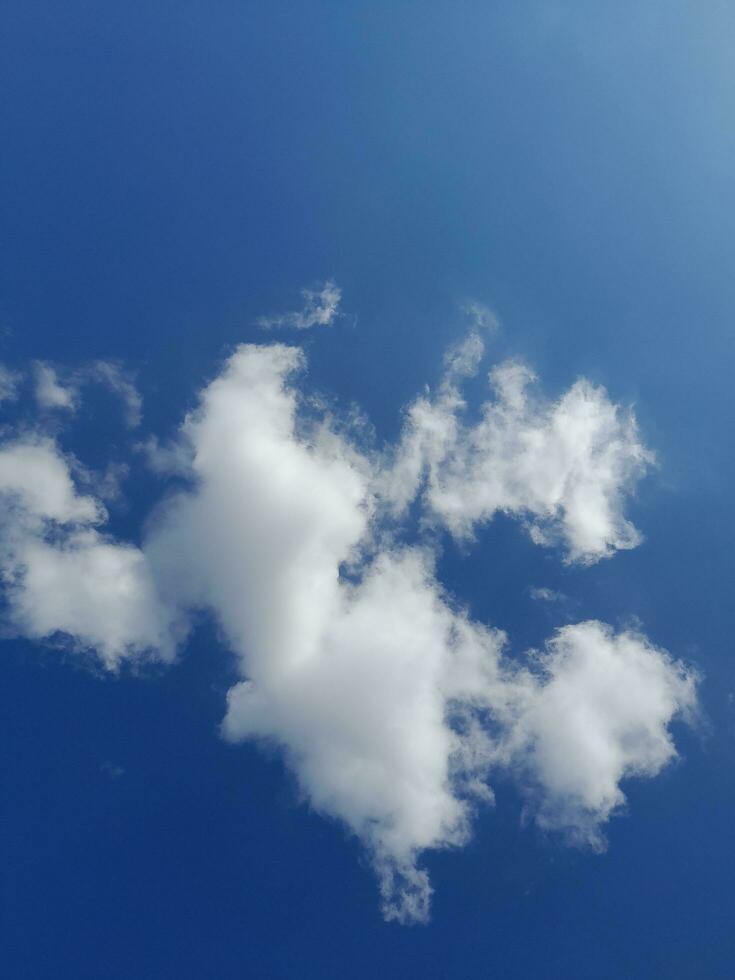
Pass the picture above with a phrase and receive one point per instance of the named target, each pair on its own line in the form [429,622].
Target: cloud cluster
[392,706]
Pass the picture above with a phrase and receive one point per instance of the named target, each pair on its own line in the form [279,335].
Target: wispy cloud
[9,382]
[51,392]
[57,388]
[320,309]
[113,376]
[544,594]
[111,770]
[481,316]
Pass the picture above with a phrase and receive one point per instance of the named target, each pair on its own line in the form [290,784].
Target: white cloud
[598,713]
[9,381]
[393,708]
[352,678]
[481,316]
[545,594]
[374,684]
[61,575]
[50,392]
[320,309]
[112,770]
[114,377]
[36,484]
[563,467]
[363,718]
[272,517]
[98,592]
[430,433]
[172,459]
[107,484]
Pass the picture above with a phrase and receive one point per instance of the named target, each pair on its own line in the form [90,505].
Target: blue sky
[171,173]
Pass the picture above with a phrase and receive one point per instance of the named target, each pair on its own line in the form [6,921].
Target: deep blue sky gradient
[170,171]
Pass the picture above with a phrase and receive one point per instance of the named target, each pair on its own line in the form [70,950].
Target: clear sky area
[366,480]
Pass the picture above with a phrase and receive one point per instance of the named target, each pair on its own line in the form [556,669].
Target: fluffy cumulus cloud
[393,708]
[597,712]
[320,309]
